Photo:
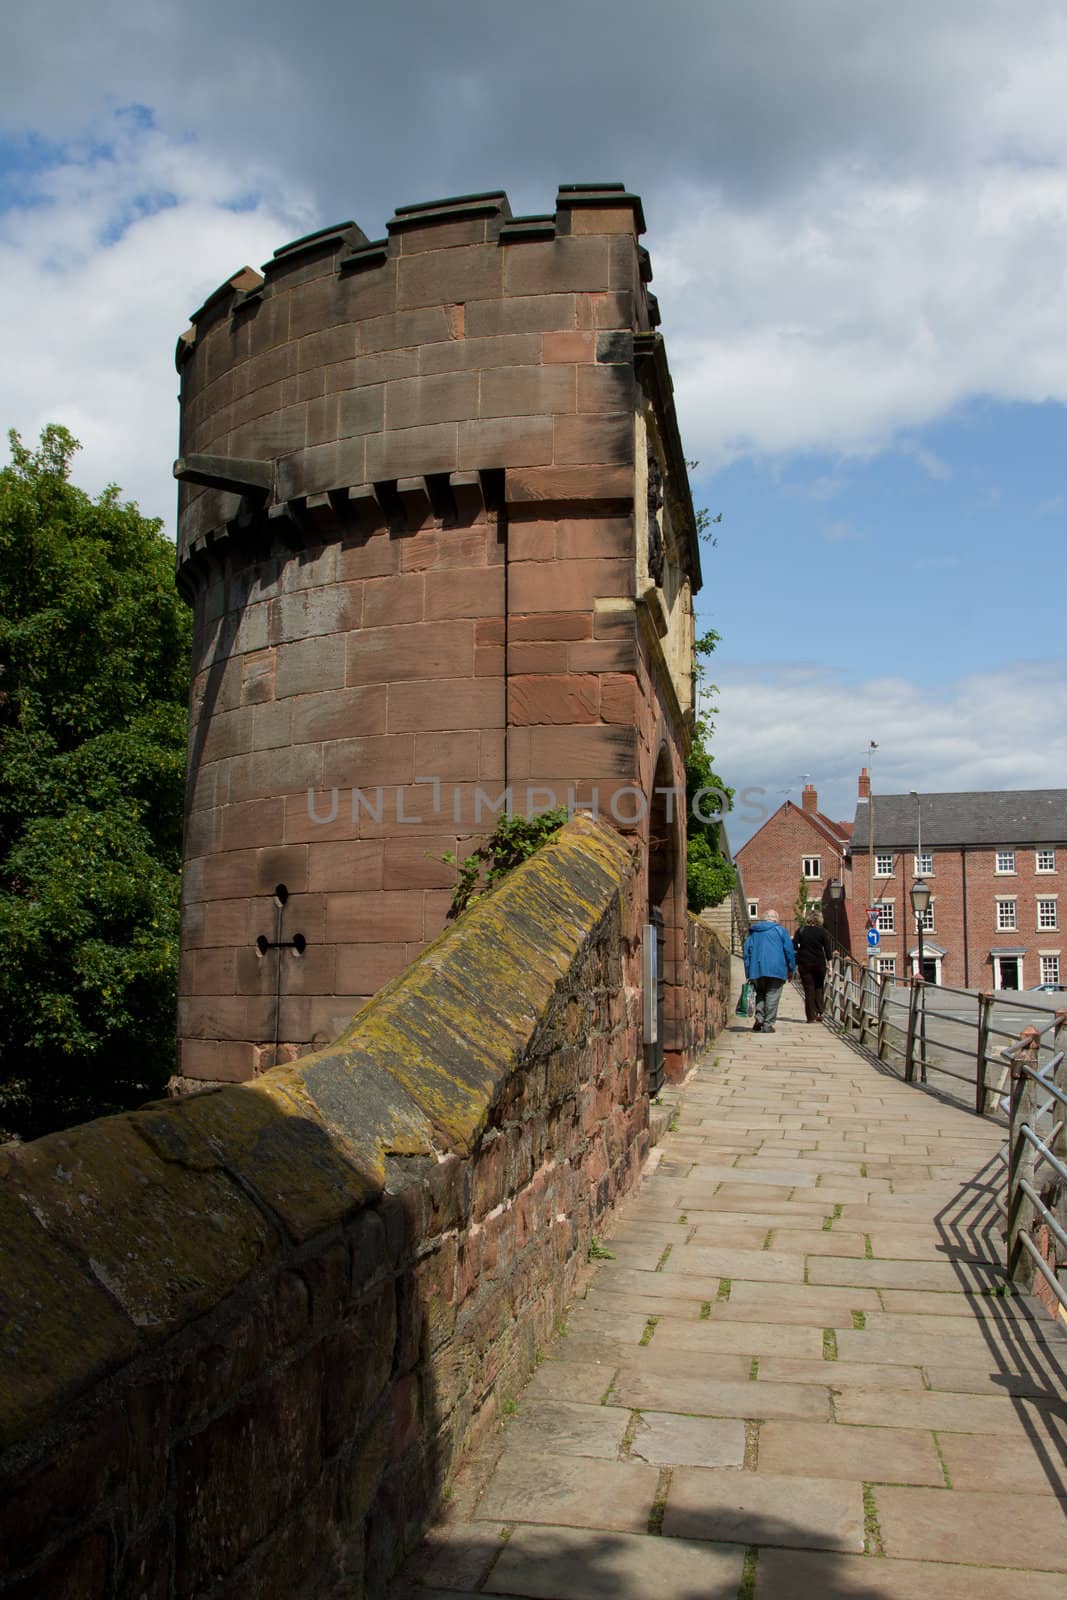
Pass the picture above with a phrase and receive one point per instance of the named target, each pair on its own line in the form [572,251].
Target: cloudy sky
[858,223]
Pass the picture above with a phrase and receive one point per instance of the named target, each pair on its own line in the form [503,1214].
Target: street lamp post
[920,904]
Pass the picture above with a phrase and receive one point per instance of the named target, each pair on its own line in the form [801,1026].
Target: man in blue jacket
[769,961]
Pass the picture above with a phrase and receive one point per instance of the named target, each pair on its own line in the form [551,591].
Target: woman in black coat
[812,945]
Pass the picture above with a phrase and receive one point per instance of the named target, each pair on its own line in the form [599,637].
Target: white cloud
[1002,730]
[862,307]
[117,248]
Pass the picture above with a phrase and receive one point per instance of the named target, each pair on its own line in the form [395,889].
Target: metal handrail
[1033,1205]
[862,1004]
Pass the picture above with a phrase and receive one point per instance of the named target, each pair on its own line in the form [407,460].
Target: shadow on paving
[1027,1350]
[780,1560]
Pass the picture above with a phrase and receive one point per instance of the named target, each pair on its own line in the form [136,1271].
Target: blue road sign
[874,938]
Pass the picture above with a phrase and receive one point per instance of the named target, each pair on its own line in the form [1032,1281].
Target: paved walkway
[793,1380]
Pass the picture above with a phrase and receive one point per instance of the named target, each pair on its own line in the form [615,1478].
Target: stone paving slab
[760,1509]
[763,1266]
[569,1428]
[1016,1465]
[840,1374]
[946,1525]
[563,1564]
[957,1413]
[707,1398]
[565,1491]
[666,1440]
[989,1379]
[865,1455]
[775,1409]
[812,1303]
[737,1338]
[811,1575]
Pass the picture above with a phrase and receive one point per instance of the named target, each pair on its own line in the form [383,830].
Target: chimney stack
[865,785]
[809,798]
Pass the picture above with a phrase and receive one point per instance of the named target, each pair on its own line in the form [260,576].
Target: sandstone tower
[435,526]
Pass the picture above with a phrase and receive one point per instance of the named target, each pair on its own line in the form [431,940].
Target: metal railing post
[909,1046]
[985,1005]
[1022,1160]
[883,993]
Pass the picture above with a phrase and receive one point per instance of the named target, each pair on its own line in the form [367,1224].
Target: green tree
[94,651]
[709,876]
[802,905]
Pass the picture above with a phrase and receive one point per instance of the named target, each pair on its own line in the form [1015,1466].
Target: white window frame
[924,864]
[926,921]
[1048,963]
[753,910]
[887,965]
[998,983]
[927,957]
[885,916]
[1051,863]
[1007,906]
[1004,871]
[809,876]
[1054,925]
[879,857]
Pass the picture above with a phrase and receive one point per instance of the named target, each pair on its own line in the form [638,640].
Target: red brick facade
[774,860]
[436,530]
[964,948]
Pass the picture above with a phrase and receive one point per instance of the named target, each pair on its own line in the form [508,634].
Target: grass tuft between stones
[829,1344]
[859,1321]
[872,1533]
[659,1504]
[650,1328]
[725,1285]
[664,1258]
[753,1371]
[941,1458]
[747,1590]
[705,1310]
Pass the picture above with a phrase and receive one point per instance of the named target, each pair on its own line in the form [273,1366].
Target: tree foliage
[94,651]
[709,876]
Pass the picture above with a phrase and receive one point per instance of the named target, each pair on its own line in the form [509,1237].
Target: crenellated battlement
[442,349]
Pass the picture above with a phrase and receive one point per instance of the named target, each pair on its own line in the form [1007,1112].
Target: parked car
[1048,988]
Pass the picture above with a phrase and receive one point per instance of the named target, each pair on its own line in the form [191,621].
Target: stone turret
[436,530]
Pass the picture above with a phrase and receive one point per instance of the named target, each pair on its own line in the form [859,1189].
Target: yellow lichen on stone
[452,1028]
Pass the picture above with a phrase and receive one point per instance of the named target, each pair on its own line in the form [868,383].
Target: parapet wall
[249,1333]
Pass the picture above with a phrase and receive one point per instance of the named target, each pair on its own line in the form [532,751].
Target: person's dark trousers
[813,979]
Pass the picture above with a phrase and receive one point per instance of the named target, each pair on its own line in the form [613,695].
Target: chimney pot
[809,798]
[865,785]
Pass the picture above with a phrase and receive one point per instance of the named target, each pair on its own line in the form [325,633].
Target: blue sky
[858,226]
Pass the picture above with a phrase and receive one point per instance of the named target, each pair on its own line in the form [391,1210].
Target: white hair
[771,916]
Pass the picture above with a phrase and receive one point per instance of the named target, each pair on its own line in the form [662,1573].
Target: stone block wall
[249,1333]
[707,989]
[410,526]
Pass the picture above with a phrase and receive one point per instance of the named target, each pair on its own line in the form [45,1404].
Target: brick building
[435,527]
[994,862]
[797,843]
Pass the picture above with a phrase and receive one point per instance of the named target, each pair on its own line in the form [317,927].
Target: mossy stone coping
[117,1234]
